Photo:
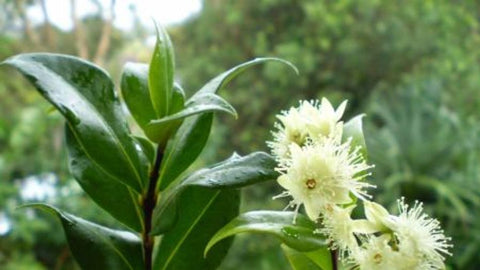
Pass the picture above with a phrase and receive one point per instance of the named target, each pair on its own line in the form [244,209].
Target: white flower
[309,121]
[377,215]
[339,228]
[376,253]
[292,130]
[324,173]
[323,119]
[419,235]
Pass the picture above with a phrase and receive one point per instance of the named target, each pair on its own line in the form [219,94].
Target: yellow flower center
[377,258]
[311,183]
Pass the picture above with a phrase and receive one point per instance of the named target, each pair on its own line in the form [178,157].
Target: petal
[341,109]
[365,226]
[375,213]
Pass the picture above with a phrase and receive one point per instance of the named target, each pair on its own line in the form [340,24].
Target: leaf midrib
[194,223]
[111,245]
[107,173]
[95,111]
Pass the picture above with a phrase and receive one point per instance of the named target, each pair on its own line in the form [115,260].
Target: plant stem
[148,203]
[334,256]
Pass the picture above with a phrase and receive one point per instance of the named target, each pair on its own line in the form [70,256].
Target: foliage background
[413,66]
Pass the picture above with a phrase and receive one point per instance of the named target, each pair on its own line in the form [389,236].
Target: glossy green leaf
[137,97]
[135,92]
[184,147]
[160,75]
[354,129]
[318,259]
[221,80]
[234,172]
[202,212]
[147,148]
[113,196]
[85,95]
[299,235]
[178,98]
[161,133]
[200,104]
[95,247]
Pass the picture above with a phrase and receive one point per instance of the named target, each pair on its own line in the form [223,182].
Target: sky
[165,12]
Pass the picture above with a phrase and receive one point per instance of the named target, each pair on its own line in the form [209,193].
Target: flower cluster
[323,170]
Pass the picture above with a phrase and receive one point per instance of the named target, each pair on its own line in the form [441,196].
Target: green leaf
[95,247]
[160,75]
[85,95]
[221,80]
[135,92]
[116,198]
[147,148]
[162,132]
[137,97]
[318,259]
[178,98]
[354,129]
[190,139]
[234,172]
[199,104]
[298,260]
[184,147]
[299,235]
[161,129]
[202,212]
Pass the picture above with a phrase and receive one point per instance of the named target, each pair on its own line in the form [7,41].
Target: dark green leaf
[185,147]
[299,235]
[236,171]
[135,93]
[353,129]
[202,212]
[160,75]
[232,173]
[318,259]
[147,148]
[84,94]
[113,196]
[96,247]
[221,80]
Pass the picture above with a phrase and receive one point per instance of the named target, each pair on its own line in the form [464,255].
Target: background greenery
[412,66]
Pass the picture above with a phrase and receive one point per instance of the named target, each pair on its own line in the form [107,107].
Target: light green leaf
[202,212]
[135,92]
[162,132]
[184,147]
[95,247]
[221,80]
[354,129]
[116,198]
[161,72]
[299,235]
[198,104]
[85,95]
[300,261]
[234,172]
